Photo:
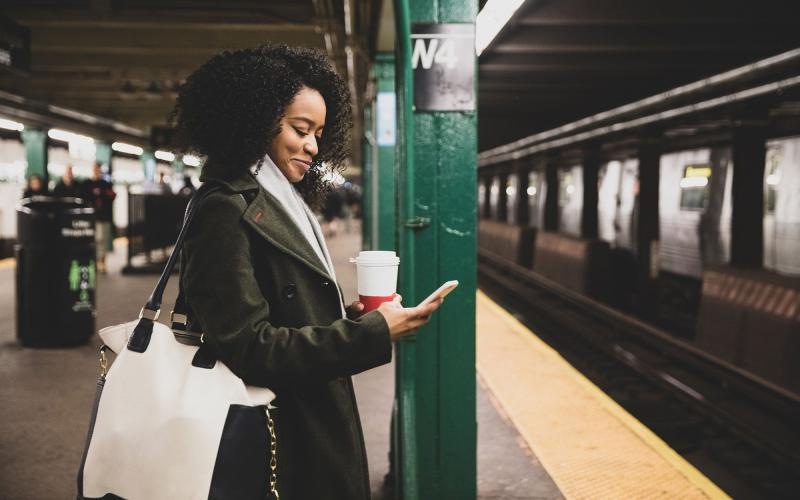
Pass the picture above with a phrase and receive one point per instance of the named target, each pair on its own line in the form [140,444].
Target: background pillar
[149,165]
[551,215]
[647,228]
[591,167]
[747,193]
[35,142]
[103,155]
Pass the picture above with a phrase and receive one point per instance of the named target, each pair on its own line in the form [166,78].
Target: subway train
[747,317]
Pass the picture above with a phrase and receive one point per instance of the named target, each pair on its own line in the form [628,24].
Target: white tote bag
[171,423]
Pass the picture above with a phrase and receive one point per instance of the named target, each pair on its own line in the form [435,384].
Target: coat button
[289,291]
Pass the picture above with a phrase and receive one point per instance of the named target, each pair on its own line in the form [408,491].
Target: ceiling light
[191,160]
[11,125]
[491,19]
[130,149]
[165,156]
[58,134]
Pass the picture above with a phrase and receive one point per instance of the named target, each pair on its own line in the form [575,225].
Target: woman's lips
[306,166]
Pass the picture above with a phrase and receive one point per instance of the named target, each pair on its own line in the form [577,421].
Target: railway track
[741,432]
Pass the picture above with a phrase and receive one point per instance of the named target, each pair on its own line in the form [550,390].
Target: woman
[258,278]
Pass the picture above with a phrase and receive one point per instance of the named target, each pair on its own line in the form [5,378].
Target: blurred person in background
[162,186]
[188,188]
[68,187]
[332,212]
[100,196]
[35,187]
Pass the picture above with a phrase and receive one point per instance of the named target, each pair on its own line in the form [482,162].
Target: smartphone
[442,291]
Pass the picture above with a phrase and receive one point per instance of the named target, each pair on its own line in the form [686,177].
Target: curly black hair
[229,111]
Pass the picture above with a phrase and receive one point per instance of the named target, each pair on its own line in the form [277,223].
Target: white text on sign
[433,50]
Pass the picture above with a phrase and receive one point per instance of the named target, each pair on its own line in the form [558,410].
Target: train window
[566,186]
[773,177]
[494,198]
[570,200]
[535,199]
[481,198]
[694,186]
[512,187]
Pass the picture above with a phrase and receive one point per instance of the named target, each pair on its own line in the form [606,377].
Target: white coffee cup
[377,277]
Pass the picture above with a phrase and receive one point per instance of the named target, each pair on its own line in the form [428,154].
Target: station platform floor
[544,431]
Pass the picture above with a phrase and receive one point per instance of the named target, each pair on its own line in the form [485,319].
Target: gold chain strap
[273,457]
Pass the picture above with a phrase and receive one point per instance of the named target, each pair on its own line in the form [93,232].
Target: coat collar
[269,219]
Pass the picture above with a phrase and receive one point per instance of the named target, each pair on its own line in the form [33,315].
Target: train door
[617,191]
[481,198]
[782,206]
[494,198]
[536,191]
[512,193]
[607,200]
[694,203]
[570,200]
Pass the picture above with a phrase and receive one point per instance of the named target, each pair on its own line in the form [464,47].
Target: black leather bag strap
[140,338]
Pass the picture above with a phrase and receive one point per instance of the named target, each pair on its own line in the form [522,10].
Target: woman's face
[301,130]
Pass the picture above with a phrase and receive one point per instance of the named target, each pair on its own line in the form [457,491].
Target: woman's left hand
[354,310]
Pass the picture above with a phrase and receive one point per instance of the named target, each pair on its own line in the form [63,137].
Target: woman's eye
[301,133]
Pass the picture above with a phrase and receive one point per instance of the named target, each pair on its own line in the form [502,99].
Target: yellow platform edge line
[640,430]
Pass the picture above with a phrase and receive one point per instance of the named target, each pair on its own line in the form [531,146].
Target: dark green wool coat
[271,313]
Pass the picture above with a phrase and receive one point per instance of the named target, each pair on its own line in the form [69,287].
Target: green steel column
[149,165]
[386,142]
[367,193]
[103,155]
[177,166]
[437,220]
[35,142]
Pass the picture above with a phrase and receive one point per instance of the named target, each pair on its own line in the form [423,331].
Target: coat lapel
[268,218]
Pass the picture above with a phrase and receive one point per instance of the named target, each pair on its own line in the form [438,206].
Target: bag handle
[140,338]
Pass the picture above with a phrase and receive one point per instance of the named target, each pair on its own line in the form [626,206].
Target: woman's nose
[310,146]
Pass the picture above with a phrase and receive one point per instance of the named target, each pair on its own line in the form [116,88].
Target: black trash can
[56,272]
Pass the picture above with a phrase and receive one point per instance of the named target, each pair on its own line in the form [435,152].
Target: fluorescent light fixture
[165,156]
[191,160]
[66,136]
[491,19]
[122,147]
[694,182]
[11,125]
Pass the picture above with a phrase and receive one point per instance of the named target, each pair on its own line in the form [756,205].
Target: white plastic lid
[376,258]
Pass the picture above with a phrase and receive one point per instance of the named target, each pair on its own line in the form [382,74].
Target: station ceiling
[124,59]
[560,60]
[555,61]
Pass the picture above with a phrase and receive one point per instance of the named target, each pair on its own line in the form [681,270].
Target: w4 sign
[429,51]
[443,60]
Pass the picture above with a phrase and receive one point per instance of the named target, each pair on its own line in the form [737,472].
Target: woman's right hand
[404,320]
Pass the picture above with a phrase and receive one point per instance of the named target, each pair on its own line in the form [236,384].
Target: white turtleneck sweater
[272,179]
